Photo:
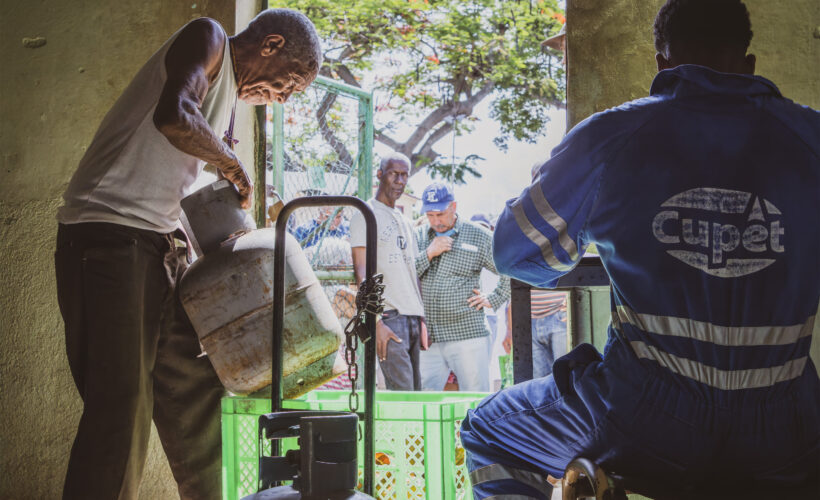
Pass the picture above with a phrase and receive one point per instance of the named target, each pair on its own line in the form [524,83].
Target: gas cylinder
[228,293]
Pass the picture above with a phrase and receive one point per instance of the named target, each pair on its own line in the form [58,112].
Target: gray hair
[394,157]
[301,40]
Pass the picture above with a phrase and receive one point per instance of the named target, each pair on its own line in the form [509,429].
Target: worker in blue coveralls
[703,202]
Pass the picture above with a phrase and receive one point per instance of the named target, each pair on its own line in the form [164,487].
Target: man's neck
[382,198]
[232,48]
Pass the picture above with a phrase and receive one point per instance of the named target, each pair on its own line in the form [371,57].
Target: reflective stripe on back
[716,334]
[721,379]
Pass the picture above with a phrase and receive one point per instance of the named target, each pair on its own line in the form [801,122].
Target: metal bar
[366,134]
[588,275]
[260,165]
[370,318]
[366,147]
[261,135]
[278,148]
[589,272]
[521,330]
[574,332]
[341,87]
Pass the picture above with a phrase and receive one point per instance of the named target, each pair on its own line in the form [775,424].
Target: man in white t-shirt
[398,331]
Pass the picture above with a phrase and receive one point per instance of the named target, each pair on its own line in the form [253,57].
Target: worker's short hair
[683,25]
[393,157]
[301,40]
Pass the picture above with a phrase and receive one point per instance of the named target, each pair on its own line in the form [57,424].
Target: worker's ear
[379,174]
[271,44]
[662,62]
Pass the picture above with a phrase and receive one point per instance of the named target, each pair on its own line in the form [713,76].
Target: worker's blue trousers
[631,417]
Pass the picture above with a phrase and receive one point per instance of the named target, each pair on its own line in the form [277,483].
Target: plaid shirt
[449,279]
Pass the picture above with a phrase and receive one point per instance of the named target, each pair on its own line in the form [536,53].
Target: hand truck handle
[370,318]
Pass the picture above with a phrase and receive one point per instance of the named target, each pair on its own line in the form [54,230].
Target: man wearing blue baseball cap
[452,254]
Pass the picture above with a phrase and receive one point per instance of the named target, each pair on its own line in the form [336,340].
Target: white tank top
[131,174]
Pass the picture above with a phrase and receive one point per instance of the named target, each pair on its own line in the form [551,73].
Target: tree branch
[426,154]
[437,135]
[388,141]
[435,52]
[347,52]
[327,134]
[344,72]
[293,165]
[437,115]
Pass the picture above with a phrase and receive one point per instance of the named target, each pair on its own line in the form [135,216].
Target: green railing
[364,156]
[320,140]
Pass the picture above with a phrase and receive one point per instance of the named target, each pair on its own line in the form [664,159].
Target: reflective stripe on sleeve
[536,237]
[716,334]
[553,219]
[498,472]
[721,379]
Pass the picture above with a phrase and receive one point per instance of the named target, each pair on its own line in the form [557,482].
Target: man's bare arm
[192,62]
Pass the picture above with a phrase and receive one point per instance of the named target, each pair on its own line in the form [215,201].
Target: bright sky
[504,175]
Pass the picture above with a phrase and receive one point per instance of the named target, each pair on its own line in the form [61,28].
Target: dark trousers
[401,368]
[134,357]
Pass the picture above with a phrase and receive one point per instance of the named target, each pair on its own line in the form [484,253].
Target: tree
[432,61]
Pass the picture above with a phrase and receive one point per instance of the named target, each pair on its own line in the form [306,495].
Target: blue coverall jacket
[703,201]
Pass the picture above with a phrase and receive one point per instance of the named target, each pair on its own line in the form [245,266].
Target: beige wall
[51,100]
[611,56]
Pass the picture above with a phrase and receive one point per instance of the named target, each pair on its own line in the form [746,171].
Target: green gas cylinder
[227,293]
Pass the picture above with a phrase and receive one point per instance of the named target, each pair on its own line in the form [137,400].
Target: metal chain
[368,300]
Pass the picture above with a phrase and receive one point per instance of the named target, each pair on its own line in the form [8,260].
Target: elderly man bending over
[132,351]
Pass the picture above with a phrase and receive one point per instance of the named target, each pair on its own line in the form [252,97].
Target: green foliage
[318,127]
[431,61]
[454,171]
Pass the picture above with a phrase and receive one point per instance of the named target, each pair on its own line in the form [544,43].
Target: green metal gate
[327,129]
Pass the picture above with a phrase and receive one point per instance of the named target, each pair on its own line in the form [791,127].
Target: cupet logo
[722,232]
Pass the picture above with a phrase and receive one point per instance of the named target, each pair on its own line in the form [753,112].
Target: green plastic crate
[418,450]
[505,367]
